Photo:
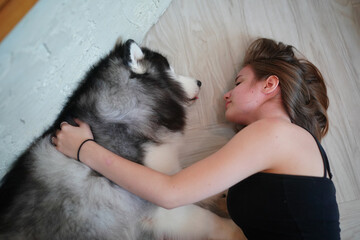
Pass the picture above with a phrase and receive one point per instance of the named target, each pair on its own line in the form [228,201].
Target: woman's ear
[271,85]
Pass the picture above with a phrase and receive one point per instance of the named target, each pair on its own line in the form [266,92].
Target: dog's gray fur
[134,103]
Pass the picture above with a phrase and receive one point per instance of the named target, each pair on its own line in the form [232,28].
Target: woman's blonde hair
[302,86]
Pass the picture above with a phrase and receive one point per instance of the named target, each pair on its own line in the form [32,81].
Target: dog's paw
[228,230]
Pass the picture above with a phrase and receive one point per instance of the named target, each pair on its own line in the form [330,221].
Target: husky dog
[136,107]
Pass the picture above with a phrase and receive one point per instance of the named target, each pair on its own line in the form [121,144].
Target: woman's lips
[226,105]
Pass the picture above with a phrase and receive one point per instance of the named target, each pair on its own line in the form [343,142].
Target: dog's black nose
[198,83]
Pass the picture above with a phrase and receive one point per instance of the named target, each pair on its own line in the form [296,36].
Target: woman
[278,174]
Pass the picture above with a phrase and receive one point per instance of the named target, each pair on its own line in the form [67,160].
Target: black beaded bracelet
[78,153]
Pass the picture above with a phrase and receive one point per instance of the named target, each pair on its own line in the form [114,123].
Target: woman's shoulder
[271,133]
[268,134]
[291,149]
[273,127]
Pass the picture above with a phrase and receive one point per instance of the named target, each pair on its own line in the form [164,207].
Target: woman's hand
[68,139]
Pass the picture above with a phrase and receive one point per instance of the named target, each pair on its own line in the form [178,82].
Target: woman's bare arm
[238,159]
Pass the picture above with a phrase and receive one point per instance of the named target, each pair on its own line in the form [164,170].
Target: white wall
[49,51]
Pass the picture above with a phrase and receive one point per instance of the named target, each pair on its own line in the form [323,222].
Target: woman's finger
[54,141]
[78,121]
[62,123]
[57,132]
[83,125]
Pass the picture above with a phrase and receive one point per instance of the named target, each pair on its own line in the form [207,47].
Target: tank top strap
[323,156]
[325,159]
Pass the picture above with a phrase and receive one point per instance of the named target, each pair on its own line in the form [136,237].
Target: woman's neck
[273,108]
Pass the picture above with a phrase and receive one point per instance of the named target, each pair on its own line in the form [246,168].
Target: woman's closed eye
[239,79]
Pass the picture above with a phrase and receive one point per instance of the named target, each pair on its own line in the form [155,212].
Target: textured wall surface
[47,54]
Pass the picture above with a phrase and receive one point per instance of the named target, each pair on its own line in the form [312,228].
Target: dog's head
[154,67]
[139,88]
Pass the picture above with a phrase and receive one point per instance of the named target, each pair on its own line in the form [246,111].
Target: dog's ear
[133,56]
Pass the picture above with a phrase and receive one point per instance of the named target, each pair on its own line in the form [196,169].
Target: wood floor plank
[350,215]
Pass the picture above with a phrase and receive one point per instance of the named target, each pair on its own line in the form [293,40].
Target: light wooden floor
[206,39]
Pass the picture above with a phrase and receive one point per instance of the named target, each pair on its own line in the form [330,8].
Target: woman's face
[243,101]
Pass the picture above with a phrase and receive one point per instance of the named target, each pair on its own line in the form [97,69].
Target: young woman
[278,174]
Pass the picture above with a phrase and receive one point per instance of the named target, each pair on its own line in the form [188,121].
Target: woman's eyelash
[237,83]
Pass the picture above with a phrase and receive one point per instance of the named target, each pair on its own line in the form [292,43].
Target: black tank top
[280,206]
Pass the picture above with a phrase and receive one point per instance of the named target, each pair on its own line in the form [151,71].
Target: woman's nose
[227,95]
